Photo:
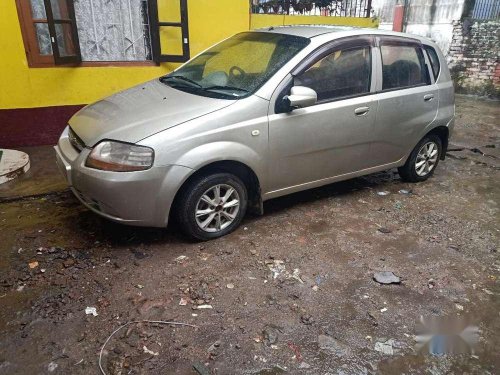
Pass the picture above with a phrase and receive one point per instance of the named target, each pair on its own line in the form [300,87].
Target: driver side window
[342,73]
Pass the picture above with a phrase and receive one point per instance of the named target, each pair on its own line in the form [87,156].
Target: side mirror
[301,97]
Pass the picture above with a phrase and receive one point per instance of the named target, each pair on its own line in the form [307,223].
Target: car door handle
[428,97]
[361,111]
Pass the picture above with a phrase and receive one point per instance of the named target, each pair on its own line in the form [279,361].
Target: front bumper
[140,198]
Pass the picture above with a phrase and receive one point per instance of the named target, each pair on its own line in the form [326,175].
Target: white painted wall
[430,18]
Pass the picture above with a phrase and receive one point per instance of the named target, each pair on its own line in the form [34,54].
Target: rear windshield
[238,66]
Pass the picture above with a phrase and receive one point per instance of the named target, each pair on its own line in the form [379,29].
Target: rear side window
[342,73]
[403,66]
[434,59]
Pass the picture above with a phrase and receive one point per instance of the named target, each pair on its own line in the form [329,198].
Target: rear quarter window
[434,59]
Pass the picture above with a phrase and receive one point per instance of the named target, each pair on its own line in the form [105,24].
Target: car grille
[75,140]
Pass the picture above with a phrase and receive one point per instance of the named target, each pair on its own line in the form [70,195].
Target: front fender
[212,152]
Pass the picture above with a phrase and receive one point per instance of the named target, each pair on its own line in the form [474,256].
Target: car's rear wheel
[423,160]
[212,206]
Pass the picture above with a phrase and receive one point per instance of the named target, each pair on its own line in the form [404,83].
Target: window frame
[347,43]
[403,42]
[36,60]
[28,31]
[428,48]
[71,21]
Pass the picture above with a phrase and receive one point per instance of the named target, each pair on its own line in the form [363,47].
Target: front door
[408,101]
[333,137]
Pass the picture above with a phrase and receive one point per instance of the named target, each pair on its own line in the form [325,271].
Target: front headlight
[120,157]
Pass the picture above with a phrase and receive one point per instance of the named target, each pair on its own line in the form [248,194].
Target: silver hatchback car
[260,115]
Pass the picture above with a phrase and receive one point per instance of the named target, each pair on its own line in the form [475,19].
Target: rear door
[407,99]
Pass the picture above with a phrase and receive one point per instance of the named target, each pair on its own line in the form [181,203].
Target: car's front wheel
[423,160]
[212,206]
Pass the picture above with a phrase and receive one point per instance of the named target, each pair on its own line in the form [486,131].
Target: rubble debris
[270,334]
[157,322]
[201,369]
[385,347]
[328,343]
[386,277]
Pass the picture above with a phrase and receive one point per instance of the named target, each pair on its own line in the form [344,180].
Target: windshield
[236,67]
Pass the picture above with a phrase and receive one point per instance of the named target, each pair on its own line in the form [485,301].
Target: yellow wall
[263,20]
[209,22]
[24,87]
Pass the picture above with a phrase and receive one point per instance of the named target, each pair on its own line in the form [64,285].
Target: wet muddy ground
[289,292]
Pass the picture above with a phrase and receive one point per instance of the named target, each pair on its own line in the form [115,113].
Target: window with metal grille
[92,31]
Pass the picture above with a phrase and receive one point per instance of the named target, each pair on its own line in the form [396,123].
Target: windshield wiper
[182,78]
[220,87]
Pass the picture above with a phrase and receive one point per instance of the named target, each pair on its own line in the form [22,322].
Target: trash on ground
[386,277]
[404,191]
[277,267]
[383,193]
[230,286]
[183,302]
[201,307]
[147,351]
[156,322]
[91,311]
[52,366]
[384,230]
[385,347]
[383,309]
[33,264]
[296,351]
[181,259]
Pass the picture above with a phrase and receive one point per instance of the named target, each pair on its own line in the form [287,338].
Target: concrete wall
[430,18]
[474,57]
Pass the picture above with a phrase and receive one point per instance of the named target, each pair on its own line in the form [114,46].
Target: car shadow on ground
[119,235]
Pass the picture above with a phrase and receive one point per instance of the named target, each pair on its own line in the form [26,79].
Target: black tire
[408,171]
[190,196]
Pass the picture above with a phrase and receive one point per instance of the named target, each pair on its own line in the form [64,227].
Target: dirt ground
[290,292]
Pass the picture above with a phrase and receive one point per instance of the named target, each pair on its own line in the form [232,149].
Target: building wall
[24,87]
[429,18]
[474,57]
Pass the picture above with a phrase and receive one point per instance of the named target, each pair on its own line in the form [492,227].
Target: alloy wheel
[427,158]
[217,208]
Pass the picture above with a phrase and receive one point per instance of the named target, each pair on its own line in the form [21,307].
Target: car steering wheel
[236,69]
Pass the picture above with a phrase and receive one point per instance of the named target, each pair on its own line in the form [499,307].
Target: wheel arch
[237,168]
[443,133]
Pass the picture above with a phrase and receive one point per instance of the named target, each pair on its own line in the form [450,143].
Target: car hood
[140,112]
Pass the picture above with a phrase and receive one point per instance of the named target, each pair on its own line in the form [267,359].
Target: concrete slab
[12,164]
[42,178]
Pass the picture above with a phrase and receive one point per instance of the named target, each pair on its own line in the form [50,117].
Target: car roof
[311,31]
